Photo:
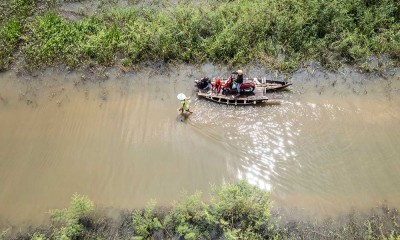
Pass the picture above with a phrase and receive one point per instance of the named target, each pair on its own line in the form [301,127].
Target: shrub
[145,222]
[67,221]
[38,236]
[189,218]
[238,211]
[243,211]
[4,234]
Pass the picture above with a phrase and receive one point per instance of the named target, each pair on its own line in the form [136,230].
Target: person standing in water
[184,103]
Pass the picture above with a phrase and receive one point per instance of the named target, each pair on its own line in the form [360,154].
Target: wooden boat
[262,86]
[256,97]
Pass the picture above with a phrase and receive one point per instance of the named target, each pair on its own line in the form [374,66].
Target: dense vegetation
[278,34]
[235,211]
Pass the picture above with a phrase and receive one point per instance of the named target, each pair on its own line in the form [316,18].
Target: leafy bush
[189,218]
[145,222]
[243,211]
[4,234]
[67,221]
[38,236]
[238,211]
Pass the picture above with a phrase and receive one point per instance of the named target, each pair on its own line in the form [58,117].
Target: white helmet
[181,96]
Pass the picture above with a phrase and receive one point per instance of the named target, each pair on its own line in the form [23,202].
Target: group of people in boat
[206,85]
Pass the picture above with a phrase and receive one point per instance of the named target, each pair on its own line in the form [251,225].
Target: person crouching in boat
[205,84]
[238,80]
[216,88]
[184,103]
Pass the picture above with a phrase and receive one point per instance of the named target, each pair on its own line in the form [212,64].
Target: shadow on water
[272,103]
[182,117]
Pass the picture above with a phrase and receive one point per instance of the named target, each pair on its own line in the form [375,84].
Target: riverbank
[278,35]
[236,211]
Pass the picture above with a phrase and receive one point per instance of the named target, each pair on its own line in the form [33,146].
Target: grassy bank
[12,16]
[278,34]
[236,211]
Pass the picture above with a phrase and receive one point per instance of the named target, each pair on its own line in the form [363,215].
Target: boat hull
[241,100]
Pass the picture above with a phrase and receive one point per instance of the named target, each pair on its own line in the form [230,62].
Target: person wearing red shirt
[216,88]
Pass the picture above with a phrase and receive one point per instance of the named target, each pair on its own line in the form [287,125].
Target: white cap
[181,96]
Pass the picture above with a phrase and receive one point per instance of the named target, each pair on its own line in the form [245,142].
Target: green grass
[281,35]
[14,16]
[9,35]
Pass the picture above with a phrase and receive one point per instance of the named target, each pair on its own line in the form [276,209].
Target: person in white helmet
[184,103]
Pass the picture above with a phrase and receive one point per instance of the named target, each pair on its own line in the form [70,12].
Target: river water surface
[328,145]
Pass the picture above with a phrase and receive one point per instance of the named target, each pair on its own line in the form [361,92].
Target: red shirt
[217,85]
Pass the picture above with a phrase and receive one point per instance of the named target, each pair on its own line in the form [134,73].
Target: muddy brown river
[328,145]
